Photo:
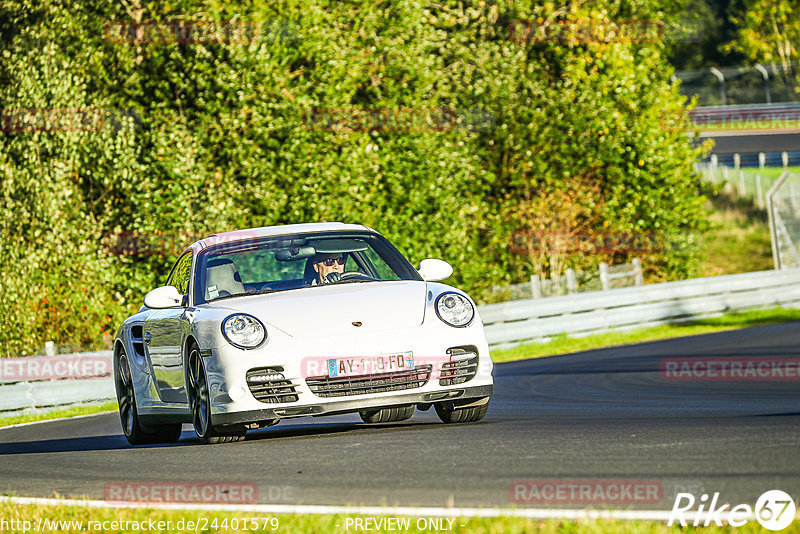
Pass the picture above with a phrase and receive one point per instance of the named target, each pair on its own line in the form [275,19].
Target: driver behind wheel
[329,267]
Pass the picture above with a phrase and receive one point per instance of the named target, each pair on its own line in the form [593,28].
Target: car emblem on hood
[356,323]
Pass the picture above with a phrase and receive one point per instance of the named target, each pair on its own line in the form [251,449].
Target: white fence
[783,209]
[507,324]
[606,277]
[749,181]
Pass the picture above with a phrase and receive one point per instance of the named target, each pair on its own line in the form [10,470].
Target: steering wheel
[356,275]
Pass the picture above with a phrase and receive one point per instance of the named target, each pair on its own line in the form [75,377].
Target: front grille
[323,386]
[462,367]
[267,384]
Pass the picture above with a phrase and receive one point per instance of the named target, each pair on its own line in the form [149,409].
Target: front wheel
[129,414]
[200,402]
[470,413]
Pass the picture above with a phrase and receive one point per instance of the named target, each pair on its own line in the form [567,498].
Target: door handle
[147,337]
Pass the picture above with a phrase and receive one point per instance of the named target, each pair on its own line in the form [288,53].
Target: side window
[352,265]
[179,277]
[384,271]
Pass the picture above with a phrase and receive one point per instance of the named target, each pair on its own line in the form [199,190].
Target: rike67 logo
[774,510]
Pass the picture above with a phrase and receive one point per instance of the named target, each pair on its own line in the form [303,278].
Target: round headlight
[243,331]
[454,309]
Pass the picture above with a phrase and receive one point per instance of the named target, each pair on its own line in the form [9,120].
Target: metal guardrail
[511,323]
[507,324]
[743,85]
[55,393]
[52,381]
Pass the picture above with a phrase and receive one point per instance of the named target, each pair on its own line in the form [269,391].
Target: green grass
[58,414]
[740,242]
[336,523]
[566,345]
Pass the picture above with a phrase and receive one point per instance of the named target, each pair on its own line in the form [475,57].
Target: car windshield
[291,262]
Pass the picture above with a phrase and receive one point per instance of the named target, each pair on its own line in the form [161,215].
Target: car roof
[269,231]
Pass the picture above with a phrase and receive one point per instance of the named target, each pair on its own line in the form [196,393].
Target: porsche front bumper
[460,396]
[233,402]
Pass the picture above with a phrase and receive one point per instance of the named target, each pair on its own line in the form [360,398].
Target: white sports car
[254,326]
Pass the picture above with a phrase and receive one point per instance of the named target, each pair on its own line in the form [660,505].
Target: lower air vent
[323,386]
[462,367]
[267,384]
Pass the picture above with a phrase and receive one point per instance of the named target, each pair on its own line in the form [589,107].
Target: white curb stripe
[533,513]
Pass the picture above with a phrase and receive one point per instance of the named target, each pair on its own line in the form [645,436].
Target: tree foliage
[457,135]
[769,32]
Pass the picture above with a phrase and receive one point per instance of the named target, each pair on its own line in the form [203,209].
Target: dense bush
[433,123]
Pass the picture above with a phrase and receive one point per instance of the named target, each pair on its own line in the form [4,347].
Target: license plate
[371,365]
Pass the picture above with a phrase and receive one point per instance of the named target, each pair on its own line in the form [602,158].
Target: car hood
[332,310]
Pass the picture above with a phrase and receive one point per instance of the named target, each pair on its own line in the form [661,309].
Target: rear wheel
[387,415]
[470,413]
[129,414]
[200,403]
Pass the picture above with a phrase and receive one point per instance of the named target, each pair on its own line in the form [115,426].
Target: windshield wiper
[262,291]
[259,292]
[226,297]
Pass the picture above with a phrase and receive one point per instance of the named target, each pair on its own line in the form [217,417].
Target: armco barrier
[511,323]
[507,324]
[66,379]
[55,393]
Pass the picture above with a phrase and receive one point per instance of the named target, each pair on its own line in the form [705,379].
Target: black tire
[200,402]
[453,414]
[387,415]
[129,413]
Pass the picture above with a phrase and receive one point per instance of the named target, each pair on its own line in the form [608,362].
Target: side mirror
[433,270]
[163,297]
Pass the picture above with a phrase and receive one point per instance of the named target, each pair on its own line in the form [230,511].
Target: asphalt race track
[744,142]
[599,415]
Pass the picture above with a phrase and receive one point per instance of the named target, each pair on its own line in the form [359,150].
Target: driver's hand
[332,278]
